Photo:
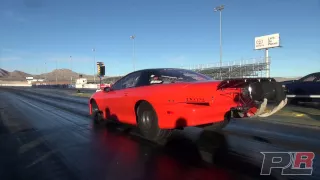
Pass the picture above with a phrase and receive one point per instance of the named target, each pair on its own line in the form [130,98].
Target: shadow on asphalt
[179,157]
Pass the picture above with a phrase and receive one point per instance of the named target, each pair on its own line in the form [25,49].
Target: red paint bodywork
[192,103]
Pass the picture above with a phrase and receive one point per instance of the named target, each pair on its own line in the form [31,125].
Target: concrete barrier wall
[17,85]
[87,86]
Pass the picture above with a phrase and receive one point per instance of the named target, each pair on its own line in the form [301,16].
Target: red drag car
[160,100]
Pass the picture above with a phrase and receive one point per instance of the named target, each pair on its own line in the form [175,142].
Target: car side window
[314,77]
[317,79]
[144,79]
[154,78]
[309,79]
[131,80]
[117,85]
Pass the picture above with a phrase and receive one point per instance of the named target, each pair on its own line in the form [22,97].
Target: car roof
[152,69]
[317,74]
[156,69]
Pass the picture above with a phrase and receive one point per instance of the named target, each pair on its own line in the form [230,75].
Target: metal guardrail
[16,85]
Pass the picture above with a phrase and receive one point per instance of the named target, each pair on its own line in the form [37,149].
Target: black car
[305,89]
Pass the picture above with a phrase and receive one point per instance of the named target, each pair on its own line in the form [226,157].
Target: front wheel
[147,120]
[96,116]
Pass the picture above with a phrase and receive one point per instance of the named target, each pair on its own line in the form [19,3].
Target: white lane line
[303,96]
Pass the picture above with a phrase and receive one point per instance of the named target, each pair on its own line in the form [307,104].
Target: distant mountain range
[60,74]
[66,74]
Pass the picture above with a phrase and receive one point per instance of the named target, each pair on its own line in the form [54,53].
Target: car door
[110,100]
[317,87]
[305,86]
[313,88]
[126,99]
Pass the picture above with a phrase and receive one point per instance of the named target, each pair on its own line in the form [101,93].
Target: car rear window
[176,75]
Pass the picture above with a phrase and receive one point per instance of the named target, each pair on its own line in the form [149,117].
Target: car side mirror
[107,89]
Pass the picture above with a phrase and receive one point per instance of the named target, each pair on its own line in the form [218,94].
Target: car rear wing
[263,90]
[242,82]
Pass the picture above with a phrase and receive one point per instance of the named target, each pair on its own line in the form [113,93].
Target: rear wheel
[147,120]
[96,116]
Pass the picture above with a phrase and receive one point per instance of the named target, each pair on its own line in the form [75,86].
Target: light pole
[94,65]
[71,67]
[45,71]
[0,56]
[70,63]
[133,51]
[216,9]
[56,71]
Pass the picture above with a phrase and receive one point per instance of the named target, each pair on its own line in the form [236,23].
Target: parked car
[305,89]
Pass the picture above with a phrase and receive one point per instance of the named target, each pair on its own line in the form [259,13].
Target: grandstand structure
[255,67]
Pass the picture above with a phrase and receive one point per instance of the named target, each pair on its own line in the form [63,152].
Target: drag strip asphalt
[83,151]
[57,136]
[253,128]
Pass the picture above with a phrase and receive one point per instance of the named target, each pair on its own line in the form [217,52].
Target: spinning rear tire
[147,120]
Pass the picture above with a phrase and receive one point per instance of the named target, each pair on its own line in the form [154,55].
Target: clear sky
[169,33]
